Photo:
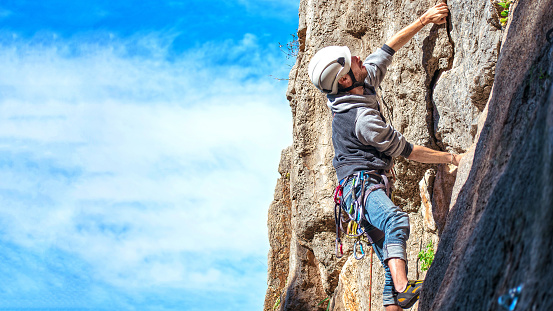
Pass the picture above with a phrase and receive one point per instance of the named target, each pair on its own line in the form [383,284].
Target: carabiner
[352,228]
[338,193]
[358,242]
[339,248]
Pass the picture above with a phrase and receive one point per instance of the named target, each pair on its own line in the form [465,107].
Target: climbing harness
[355,212]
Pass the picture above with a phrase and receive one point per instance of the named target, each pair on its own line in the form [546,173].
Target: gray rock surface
[499,232]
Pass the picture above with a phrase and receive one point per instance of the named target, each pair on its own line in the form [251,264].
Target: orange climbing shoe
[407,298]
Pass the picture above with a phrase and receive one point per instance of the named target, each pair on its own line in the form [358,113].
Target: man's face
[359,71]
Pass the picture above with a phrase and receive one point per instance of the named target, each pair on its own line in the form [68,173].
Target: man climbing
[365,146]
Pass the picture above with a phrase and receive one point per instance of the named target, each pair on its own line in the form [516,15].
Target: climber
[363,142]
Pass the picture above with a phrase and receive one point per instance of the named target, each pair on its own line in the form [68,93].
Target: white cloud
[134,163]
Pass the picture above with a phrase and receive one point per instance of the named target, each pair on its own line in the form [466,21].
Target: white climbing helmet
[328,66]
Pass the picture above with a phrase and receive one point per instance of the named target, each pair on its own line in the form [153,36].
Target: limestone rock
[280,234]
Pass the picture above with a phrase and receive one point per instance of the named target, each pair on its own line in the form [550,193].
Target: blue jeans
[383,214]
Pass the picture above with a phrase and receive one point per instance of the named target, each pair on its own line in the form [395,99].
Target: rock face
[499,232]
[471,84]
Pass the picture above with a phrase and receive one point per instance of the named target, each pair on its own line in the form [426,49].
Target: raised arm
[436,15]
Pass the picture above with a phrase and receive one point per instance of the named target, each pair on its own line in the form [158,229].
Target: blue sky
[139,147]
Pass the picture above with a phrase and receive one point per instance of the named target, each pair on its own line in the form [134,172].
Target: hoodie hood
[345,101]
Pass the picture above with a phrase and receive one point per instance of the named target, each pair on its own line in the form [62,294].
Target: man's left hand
[436,14]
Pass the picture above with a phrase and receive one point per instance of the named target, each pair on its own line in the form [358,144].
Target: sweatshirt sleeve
[377,64]
[371,130]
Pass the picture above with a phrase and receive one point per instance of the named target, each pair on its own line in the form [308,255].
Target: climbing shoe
[407,298]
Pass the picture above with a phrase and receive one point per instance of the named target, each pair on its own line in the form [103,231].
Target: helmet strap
[354,83]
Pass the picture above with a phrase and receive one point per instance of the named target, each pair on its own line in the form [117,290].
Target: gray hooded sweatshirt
[362,140]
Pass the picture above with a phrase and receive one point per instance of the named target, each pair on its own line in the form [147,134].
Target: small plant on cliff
[292,47]
[505,4]
[277,304]
[426,256]
[323,301]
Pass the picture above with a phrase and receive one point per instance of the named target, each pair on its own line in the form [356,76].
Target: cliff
[472,85]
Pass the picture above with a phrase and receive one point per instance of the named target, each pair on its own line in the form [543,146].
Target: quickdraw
[356,212]
[360,244]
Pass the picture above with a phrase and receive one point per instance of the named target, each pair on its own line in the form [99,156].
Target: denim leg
[382,213]
[388,297]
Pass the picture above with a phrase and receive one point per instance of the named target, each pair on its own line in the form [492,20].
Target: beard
[362,74]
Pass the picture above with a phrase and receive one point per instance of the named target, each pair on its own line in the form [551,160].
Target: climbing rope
[371,279]
[390,111]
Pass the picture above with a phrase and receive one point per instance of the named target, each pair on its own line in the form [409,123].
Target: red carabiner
[338,194]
